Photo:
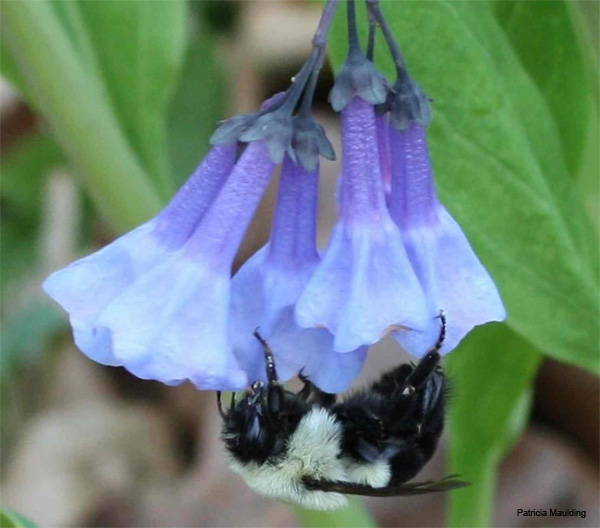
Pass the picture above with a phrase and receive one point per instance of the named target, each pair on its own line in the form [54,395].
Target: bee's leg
[310,393]
[222,412]
[428,364]
[308,388]
[428,407]
[413,391]
[220,405]
[407,378]
[393,382]
[274,390]
[269,359]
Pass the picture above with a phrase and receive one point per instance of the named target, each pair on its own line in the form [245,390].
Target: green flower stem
[355,515]
[474,506]
[78,113]
[12,519]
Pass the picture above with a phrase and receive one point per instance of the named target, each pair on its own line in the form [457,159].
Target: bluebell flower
[266,288]
[156,300]
[365,286]
[453,278]
[160,300]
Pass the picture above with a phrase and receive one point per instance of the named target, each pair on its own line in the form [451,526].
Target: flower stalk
[353,40]
[375,12]
[320,37]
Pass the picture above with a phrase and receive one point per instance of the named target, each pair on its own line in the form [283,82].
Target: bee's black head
[248,426]
[257,427]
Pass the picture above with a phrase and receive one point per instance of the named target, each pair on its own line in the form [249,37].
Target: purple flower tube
[365,286]
[453,278]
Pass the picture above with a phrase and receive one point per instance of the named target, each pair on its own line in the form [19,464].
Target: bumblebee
[313,448]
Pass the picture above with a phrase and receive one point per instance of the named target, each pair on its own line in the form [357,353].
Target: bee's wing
[415,488]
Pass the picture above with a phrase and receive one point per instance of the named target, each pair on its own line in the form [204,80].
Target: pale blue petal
[459,284]
[263,297]
[364,288]
[171,325]
[337,371]
[254,305]
[84,287]
[311,351]
[247,307]
[94,341]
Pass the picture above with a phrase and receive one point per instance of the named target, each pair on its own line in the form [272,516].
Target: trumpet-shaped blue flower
[365,286]
[160,300]
[266,288]
[453,278]
[156,300]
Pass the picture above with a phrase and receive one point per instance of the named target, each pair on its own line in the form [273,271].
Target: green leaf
[75,105]
[140,48]
[538,124]
[587,180]
[552,53]
[588,14]
[493,142]
[492,375]
[197,105]
[586,18]
[12,519]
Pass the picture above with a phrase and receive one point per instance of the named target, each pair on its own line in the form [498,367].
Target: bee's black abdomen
[428,416]
[399,419]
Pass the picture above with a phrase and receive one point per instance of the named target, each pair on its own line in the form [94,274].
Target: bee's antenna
[271,372]
[442,336]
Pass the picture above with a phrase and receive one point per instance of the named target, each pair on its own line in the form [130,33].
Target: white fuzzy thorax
[313,450]
[376,474]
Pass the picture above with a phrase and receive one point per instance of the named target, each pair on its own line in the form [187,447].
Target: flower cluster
[160,300]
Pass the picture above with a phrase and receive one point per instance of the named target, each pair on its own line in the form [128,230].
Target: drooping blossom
[266,288]
[365,286]
[453,278]
[156,300]
[160,301]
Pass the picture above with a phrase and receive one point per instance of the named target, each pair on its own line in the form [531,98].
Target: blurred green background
[107,108]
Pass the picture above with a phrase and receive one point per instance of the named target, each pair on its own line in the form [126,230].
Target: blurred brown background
[85,445]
